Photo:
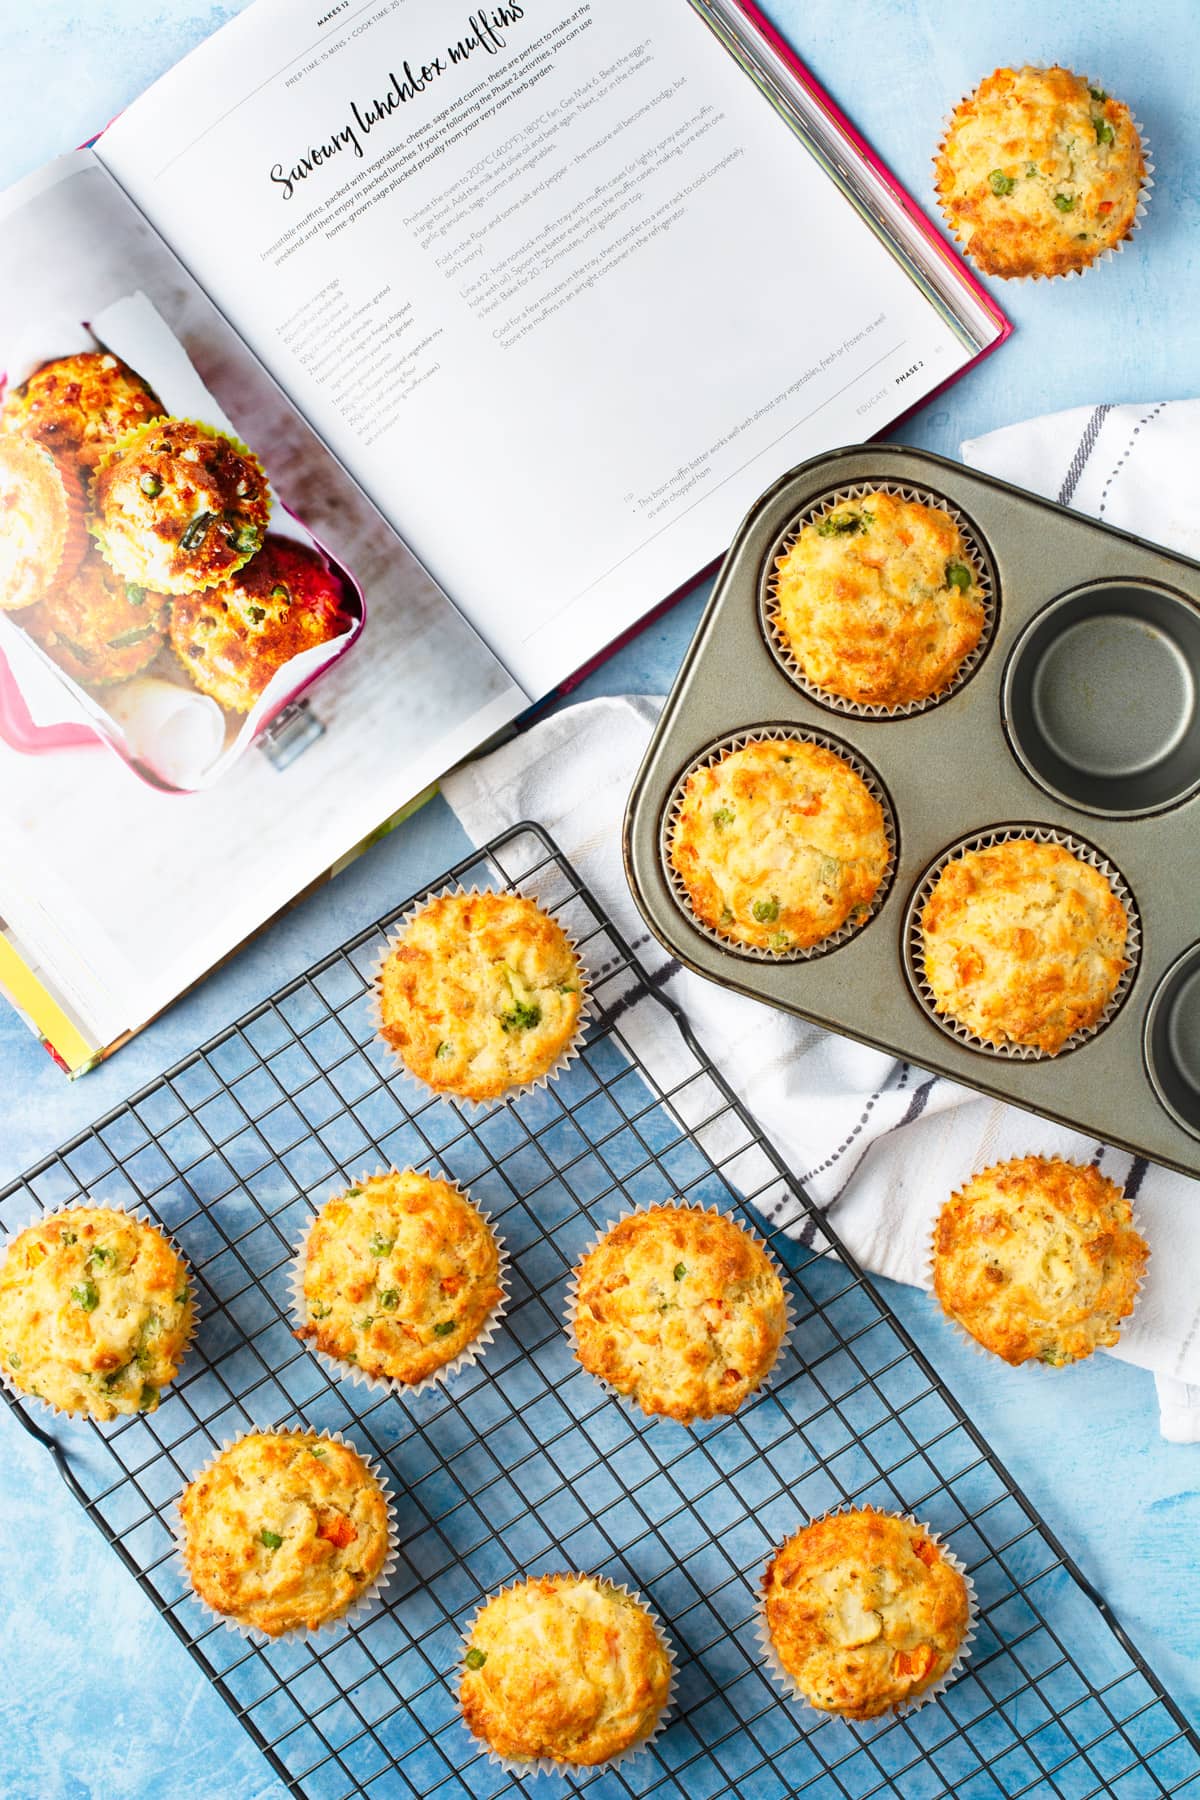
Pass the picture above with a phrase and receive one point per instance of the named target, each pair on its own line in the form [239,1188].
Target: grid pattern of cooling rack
[526,1466]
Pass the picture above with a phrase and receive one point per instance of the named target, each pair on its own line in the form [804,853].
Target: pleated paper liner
[914,953]
[738,740]
[141,434]
[628,1400]
[1103,256]
[386,1384]
[768,599]
[359,1606]
[143,1217]
[785,1681]
[548,1765]
[519,1090]
[1033,1363]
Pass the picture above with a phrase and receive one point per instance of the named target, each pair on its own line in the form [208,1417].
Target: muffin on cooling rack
[568,1669]
[42,533]
[1023,943]
[778,844]
[178,506]
[79,405]
[1038,1260]
[879,600]
[399,1276]
[284,1531]
[98,627]
[681,1311]
[95,1312]
[864,1613]
[233,637]
[480,994]
[1038,173]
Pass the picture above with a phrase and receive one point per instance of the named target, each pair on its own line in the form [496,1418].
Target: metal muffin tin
[1081,719]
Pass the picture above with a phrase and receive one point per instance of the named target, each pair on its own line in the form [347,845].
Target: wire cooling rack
[527,1467]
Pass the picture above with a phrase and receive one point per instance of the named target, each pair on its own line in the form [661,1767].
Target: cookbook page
[143,630]
[553,280]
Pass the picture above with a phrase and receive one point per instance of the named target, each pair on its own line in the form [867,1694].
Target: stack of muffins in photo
[129,532]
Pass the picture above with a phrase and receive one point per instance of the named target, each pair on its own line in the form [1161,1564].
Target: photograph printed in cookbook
[149,555]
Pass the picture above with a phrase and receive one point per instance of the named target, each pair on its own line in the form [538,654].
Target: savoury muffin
[399,1276]
[78,406]
[681,1311]
[481,993]
[864,1612]
[1038,1260]
[177,506]
[98,627]
[567,1668]
[42,531]
[879,600]
[778,844]
[1038,173]
[284,1531]
[95,1312]
[231,638]
[1023,943]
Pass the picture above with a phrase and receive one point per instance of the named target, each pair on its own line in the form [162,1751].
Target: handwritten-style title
[484,34]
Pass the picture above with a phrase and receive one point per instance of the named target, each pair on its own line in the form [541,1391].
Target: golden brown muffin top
[778,844]
[482,993]
[400,1276]
[865,1612]
[98,627]
[178,506]
[1038,1259]
[284,1531]
[1039,173]
[231,638]
[566,1667]
[95,1312]
[682,1311]
[41,523]
[879,600]
[79,405]
[1024,943]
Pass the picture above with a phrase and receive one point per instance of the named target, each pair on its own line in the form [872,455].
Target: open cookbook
[363,382]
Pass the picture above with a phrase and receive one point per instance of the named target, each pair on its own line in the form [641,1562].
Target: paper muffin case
[566,1056]
[387,1384]
[131,440]
[358,1607]
[914,954]
[143,1216]
[783,1680]
[768,599]
[1033,1363]
[1104,256]
[738,740]
[627,1400]
[549,1765]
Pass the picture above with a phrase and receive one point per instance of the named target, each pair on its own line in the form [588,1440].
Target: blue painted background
[96,1697]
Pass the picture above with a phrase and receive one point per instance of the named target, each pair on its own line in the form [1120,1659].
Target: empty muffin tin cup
[1172,1041]
[1100,699]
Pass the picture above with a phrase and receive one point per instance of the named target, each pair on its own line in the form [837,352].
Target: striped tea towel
[878,1142]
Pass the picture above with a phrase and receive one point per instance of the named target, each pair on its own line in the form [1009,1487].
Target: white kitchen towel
[874,1140]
